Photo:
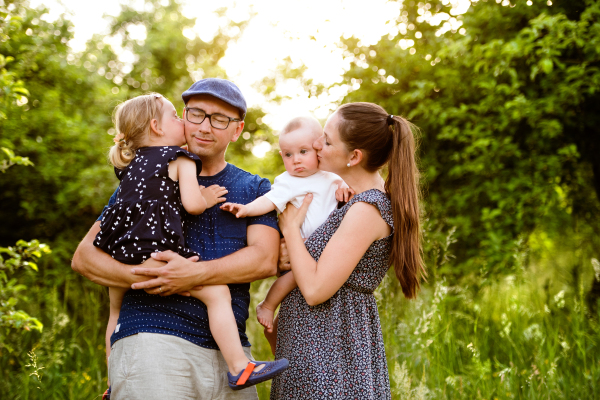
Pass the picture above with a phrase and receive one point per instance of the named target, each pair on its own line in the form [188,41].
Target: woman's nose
[317,144]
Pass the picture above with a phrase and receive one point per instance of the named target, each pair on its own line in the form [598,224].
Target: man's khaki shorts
[153,366]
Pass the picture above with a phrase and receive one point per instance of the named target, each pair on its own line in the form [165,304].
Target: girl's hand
[239,210]
[213,194]
[344,194]
[292,217]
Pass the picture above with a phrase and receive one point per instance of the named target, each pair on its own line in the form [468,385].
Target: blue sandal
[248,378]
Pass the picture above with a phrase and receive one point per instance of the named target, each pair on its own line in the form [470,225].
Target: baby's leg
[223,326]
[265,310]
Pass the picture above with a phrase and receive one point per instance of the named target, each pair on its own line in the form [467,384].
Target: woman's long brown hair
[386,139]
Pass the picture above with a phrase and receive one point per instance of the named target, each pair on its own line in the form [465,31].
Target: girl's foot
[265,316]
[250,376]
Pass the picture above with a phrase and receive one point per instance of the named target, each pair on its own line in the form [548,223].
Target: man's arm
[99,267]
[256,261]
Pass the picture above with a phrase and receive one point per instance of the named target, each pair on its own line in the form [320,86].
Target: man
[162,347]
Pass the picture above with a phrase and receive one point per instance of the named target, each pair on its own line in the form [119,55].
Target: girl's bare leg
[116,299]
[223,326]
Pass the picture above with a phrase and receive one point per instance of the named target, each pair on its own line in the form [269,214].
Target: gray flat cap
[221,89]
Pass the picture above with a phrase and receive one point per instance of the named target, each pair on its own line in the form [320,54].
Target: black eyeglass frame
[187,110]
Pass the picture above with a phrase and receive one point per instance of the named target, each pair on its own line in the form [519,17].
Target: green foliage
[507,112]
[527,336]
[13,160]
[23,256]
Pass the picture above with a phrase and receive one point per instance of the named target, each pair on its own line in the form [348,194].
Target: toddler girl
[157,178]
[302,176]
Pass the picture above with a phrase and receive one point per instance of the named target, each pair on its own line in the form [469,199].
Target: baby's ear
[280,153]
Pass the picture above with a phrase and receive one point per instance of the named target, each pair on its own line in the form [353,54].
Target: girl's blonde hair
[132,123]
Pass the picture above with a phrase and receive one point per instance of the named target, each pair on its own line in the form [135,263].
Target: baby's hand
[239,210]
[213,194]
[344,194]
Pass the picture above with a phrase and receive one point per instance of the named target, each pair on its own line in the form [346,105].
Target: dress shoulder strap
[377,198]
[173,152]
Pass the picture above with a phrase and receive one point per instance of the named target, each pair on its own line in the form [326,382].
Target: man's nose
[204,126]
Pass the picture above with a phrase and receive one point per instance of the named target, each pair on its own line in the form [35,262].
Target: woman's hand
[292,218]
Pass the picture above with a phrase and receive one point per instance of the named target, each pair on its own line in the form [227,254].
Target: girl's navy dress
[146,216]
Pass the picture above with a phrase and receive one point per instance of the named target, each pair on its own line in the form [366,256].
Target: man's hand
[239,210]
[176,276]
[213,194]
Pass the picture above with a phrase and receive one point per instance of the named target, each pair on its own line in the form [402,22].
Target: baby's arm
[260,206]
[265,310]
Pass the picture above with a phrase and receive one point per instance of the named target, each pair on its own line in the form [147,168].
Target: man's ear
[238,132]
[155,128]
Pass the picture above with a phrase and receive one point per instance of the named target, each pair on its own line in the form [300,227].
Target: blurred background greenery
[506,96]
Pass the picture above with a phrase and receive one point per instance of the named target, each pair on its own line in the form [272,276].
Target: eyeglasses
[217,121]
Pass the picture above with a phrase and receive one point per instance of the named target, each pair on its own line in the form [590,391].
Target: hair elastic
[390,119]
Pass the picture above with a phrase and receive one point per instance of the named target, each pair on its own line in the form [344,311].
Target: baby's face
[299,157]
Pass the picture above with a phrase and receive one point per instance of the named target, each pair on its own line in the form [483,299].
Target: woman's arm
[318,281]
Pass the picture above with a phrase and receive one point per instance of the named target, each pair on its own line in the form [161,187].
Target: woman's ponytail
[132,123]
[389,139]
[402,185]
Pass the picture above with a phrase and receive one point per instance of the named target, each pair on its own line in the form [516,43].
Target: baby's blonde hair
[132,123]
[306,121]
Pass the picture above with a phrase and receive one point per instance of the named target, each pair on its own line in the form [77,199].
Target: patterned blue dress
[335,349]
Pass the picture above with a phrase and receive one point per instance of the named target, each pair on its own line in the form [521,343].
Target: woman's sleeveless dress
[335,349]
[146,217]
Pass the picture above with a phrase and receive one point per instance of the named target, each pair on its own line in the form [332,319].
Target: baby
[302,176]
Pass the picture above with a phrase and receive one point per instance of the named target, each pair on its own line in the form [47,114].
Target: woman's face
[331,151]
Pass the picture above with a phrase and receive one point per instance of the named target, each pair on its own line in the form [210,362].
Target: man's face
[204,140]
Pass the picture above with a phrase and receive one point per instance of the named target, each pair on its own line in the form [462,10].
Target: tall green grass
[529,335]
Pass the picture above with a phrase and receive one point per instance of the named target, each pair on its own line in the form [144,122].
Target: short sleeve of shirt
[111,201]
[281,193]
[269,219]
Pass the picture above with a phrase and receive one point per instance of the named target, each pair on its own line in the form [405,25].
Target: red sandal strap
[246,374]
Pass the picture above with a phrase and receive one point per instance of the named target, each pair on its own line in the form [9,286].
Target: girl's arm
[260,206]
[318,281]
[184,169]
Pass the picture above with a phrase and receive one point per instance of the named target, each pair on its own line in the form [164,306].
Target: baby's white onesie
[322,185]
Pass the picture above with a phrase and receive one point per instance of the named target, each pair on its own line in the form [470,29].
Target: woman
[329,327]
